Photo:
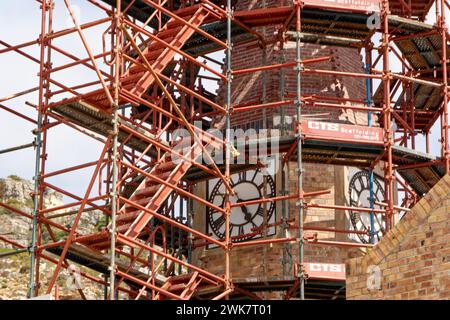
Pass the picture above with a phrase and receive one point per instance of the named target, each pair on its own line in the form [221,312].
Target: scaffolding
[149,75]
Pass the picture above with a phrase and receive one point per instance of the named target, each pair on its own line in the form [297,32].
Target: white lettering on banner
[317,270]
[323,126]
[366,4]
[322,267]
[342,131]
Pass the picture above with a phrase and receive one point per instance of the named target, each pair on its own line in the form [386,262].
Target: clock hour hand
[247,215]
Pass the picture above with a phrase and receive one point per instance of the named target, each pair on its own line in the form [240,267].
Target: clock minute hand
[246,200]
[247,215]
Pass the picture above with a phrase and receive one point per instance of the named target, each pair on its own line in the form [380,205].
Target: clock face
[359,194]
[248,185]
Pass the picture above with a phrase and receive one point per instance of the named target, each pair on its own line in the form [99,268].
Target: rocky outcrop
[20,191]
[14,277]
[14,270]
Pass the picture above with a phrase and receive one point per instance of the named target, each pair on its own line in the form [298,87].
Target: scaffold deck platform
[317,287]
[153,84]
[422,178]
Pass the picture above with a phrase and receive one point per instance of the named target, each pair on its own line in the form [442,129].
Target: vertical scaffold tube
[115,155]
[444,138]
[264,74]
[298,103]
[388,134]
[369,123]
[38,143]
[228,149]
[287,254]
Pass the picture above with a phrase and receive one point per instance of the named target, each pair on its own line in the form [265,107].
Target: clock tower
[347,186]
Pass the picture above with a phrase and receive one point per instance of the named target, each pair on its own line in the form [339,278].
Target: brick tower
[275,262]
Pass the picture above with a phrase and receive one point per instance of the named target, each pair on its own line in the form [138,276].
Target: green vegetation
[102,223]
[15,177]
[16,204]
[12,203]
[20,256]
[59,234]
[29,203]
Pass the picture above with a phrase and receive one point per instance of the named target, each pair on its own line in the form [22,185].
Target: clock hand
[247,215]
[253,199]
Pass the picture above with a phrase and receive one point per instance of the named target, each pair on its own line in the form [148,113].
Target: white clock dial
[248,186]
[359,195]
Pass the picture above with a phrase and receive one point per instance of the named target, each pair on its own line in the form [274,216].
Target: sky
[66,147]
[20,22]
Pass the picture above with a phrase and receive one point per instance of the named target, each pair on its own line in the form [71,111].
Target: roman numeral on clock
[218,223]
[243,176]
